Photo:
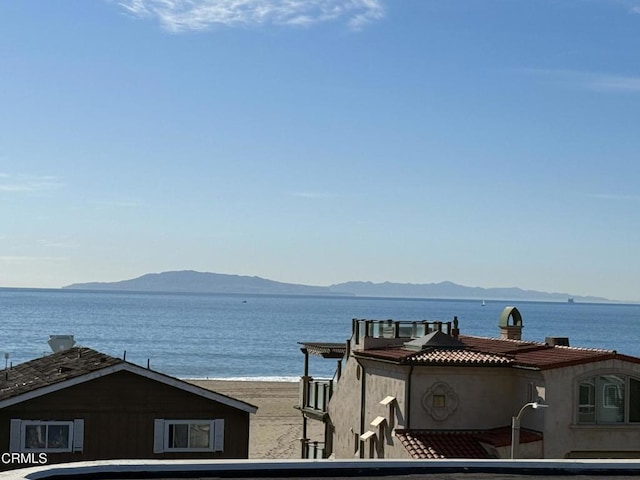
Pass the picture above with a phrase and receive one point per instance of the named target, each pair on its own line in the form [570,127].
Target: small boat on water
[483,304]
[570,300]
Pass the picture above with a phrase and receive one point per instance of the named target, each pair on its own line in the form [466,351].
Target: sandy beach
[277,426]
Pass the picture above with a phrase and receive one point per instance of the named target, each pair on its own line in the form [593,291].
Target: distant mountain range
[202,282]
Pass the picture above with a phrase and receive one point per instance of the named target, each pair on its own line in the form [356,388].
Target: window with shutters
[188,435]
[46,436]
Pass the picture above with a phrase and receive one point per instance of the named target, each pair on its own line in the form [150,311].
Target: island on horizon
[189,281]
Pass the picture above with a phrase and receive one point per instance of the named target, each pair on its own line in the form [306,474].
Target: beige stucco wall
[344,410]
[477,398]
[383,380]
[380,380]
[562,434]
[485,398]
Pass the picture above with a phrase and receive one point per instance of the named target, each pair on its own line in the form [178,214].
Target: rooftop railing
[392,329]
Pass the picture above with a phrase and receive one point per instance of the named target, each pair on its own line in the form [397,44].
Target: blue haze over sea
[255,336]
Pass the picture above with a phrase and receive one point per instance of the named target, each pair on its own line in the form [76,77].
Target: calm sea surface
[233,336]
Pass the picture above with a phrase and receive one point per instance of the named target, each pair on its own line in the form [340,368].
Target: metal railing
[314,449]
[315,394]
[398,328]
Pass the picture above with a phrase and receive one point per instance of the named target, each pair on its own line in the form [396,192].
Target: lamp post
[515,427]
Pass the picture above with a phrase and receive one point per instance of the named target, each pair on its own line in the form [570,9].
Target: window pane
[199,435]
[179,436]
[35,436]
[634,400]
[587,402]
[611,401]
[58,436]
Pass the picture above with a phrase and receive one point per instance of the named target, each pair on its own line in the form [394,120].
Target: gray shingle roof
[59,370]
[51,369]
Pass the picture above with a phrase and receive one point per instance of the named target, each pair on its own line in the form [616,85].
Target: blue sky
[488,143]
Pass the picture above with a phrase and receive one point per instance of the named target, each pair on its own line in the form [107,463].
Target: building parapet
[368,334]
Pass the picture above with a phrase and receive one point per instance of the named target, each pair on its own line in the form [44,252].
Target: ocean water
[256,336]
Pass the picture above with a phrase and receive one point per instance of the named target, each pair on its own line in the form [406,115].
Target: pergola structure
[315,394]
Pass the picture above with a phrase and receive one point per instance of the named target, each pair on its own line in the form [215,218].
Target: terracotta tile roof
[482,351]
[539,355]
[501,437]
[437,356]
[427,444]
[51,369]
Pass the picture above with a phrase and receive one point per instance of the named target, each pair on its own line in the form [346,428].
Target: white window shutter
[15,435]
[218,435]
[78,435]
[158,435]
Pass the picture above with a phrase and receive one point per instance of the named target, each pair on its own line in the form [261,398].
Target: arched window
[608,398]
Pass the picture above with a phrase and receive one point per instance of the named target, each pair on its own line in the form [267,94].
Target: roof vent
[557,341]
[58,343]
[435,339]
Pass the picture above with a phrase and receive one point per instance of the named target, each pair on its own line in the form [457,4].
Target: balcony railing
[315,394]
[313,450]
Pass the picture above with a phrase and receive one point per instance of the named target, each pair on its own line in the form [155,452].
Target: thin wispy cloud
[192,15]
[27,183]
[58,243]
[601,82]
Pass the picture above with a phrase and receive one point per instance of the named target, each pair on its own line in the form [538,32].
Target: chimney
[455,331]
[510,324]
[557,341]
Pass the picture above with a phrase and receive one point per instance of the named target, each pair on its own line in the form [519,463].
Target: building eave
[136,370]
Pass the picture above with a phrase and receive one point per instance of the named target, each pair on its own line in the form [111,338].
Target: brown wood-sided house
[79,404]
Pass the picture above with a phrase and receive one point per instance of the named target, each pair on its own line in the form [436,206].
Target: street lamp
[515,427]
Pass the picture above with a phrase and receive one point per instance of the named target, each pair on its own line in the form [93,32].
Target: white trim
[218,435]
[378,421]
[367,435]
[78,435]
[158,435]
[15,435]
[137,370]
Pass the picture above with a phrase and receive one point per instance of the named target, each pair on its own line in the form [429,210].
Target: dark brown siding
[119,412]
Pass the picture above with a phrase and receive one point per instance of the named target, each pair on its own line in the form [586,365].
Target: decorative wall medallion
[440,401]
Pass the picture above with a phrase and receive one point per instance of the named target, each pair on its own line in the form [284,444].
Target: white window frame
[18,435]
[161,435]
[601,399]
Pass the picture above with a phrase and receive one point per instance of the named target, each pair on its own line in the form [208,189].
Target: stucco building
[426,390]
